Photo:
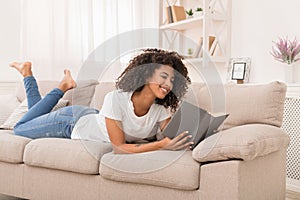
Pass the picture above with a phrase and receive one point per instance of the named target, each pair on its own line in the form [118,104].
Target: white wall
[9,38]
[255,24]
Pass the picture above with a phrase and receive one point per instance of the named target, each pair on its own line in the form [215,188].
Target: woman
[153,82]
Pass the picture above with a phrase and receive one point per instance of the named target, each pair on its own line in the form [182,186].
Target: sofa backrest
[245,103]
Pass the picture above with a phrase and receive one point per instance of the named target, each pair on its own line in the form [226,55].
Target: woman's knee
[77,111]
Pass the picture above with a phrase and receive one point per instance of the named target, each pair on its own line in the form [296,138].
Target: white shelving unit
[215,21]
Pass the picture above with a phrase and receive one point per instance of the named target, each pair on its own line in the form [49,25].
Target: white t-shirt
[117,105]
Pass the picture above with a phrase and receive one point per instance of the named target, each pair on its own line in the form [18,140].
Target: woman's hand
[180,142]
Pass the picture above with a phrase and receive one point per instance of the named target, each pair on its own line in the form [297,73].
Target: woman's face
[161,82]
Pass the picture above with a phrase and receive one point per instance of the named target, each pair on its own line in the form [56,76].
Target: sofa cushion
[246,103]
[7,105]
[44,88]
[12,147]
[81,95]
[101,90]
[22,109]
[66,154]
[242,142]
[172,169]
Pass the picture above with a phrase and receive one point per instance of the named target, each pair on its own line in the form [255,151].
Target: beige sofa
[245,160]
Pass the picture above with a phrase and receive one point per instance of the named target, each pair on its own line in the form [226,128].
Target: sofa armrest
[8,102]
[244,142]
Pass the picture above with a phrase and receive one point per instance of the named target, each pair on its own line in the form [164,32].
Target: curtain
[58,34]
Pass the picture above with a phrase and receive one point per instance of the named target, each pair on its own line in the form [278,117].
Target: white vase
[198,13]
[288,73]
[296,72]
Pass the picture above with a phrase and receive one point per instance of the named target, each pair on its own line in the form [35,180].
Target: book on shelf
[178,13]
[175,13]
[211,46]
[169,15]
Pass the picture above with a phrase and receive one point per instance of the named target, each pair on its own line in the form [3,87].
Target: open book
[198,122]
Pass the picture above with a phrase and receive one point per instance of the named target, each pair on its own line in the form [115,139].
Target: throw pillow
[244,142]
[82,94]
[7,105]
[21,110]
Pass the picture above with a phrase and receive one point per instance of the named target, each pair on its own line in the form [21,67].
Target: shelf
[217,59]
[190,23]
[183,24]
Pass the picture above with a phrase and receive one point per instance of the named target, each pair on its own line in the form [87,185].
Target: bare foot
[67,82]
[24,68]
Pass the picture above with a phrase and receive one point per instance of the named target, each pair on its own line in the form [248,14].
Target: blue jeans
[40,122]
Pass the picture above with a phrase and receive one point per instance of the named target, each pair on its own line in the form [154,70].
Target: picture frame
[239,70]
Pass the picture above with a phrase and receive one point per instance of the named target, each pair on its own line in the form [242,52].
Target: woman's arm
[117,138]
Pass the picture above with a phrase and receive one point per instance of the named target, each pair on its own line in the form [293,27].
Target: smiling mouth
[164,90]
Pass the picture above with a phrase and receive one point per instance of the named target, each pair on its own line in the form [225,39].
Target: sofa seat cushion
[12,147]
[65,154]
[172,169]
[245,142]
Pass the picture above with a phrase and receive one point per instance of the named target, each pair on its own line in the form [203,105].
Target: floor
[289,196]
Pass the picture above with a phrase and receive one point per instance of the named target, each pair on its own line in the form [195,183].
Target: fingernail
[192,142]
[190,136]
[186,131]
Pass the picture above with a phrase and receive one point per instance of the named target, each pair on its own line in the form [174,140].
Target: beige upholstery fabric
[3,131]
[83,93]
[161,168]
[65,154]
[22,109]
[101,90]
[246,103]
[44,88]
[7,105]
[12,147]
[262,178]
[11,181]
[242,142]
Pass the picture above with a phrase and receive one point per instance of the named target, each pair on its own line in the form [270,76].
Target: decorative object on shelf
[239,70]
[198,51]
[169,15]
[190,13]
[178,13]
[209,34]
[286,51]
[198,12]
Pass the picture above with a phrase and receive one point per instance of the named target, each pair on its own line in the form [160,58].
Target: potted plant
[286,51]
[198,12]
[190,13]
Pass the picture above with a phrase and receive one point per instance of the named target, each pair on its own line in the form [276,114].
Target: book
[178,13]
[211,46]
[198,49]
[169,15]
[198,122]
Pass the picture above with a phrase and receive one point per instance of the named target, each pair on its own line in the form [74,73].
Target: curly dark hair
[142,67]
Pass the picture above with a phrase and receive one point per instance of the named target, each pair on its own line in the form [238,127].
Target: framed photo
[239,70]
